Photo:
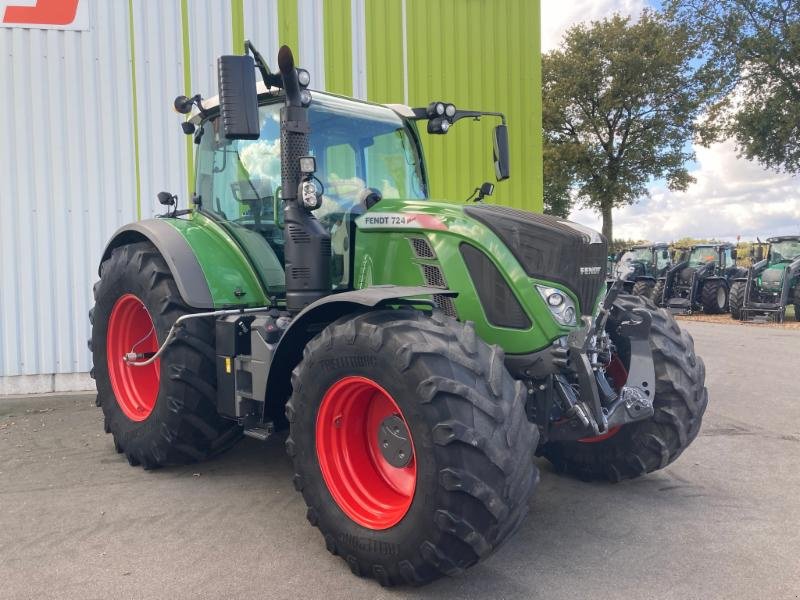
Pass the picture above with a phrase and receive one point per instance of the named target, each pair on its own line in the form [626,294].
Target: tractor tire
[164,413]
[459,424]
[736,298]
[644,289]
[680,401]
[714,297]
[658,293]
[797,302]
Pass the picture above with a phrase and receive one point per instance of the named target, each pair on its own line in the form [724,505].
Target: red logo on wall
[52,13]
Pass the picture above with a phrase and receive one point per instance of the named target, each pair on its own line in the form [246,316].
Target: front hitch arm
[635,401]
[604,407]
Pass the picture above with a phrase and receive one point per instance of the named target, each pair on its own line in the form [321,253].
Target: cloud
[558,15]
[732,197]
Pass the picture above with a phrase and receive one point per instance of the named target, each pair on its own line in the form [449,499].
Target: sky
[732,197]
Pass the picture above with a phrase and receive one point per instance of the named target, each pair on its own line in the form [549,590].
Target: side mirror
[734,254]
[238,99]
[501,160]
[665,254]
[759,254]
[166,199]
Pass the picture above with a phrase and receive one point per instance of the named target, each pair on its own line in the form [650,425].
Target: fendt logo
[44,14]
[590,270]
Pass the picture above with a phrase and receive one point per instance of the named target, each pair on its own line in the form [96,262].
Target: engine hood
[771,278]
[550,249]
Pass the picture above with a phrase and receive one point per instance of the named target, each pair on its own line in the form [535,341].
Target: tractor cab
[363,153]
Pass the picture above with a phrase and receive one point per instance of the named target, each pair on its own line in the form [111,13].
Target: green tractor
[641,267]
[772,283]
[419,353]
[700,280]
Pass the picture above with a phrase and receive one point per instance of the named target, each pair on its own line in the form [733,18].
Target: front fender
[314,318]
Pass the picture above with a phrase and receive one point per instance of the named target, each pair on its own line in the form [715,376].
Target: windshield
[641,254]
[356,145]
[702,255]
[786,250]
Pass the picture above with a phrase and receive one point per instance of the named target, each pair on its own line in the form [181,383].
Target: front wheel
[679,402]
[736,298]
[714,297]
[643,288]
[410,444]
[797,301]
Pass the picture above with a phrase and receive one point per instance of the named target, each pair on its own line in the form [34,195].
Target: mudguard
[176,251]
[313,319]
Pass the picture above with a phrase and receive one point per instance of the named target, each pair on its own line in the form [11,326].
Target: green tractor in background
[772,283]
[419,353]
[640,268]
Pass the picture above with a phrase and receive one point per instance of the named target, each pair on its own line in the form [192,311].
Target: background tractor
[418,352]
[640,268]
[771,284]
[701,280]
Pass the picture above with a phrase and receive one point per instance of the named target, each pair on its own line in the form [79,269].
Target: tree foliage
[751,51]
[620,101]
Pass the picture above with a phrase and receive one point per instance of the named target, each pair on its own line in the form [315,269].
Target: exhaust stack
[307,244]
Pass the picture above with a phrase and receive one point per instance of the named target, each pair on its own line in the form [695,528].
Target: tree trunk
[605,210]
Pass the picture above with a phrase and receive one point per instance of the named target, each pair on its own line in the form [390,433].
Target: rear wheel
[164,413]
[714,296]
[643,288]
[679,402]
[410,444]
[736,298]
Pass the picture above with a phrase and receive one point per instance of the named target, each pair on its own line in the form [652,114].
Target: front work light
[561,306]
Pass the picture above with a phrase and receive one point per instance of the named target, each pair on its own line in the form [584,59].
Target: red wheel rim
[131,329]
[368,489]
[619,374]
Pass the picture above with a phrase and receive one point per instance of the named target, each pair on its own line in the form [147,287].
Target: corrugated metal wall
[91,137]
[67,181]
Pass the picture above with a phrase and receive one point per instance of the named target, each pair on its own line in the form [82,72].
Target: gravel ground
[722,522]
[789,323]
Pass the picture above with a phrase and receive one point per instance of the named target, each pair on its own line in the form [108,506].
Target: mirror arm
[270,79]
[421,114]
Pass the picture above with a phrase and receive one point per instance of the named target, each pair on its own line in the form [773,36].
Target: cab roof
[262,89]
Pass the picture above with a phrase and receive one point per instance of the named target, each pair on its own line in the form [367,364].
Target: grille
[325,246]
[497,299]
[421,247]
[550,249]
[301,272]
[299,235]
[433,276]
[445,304]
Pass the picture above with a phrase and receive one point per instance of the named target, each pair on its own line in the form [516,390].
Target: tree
[557,183]
[751,51]
[620,100]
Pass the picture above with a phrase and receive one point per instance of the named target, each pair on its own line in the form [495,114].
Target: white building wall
[66,183]
[67,164]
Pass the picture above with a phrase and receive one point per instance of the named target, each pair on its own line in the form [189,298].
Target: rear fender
[177,253]
[210,269]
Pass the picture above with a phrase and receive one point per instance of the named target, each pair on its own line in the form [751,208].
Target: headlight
[561,306]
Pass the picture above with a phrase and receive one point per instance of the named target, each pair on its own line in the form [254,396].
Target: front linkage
[577,401]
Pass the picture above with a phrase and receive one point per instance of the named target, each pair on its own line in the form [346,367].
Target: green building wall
[477,54]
